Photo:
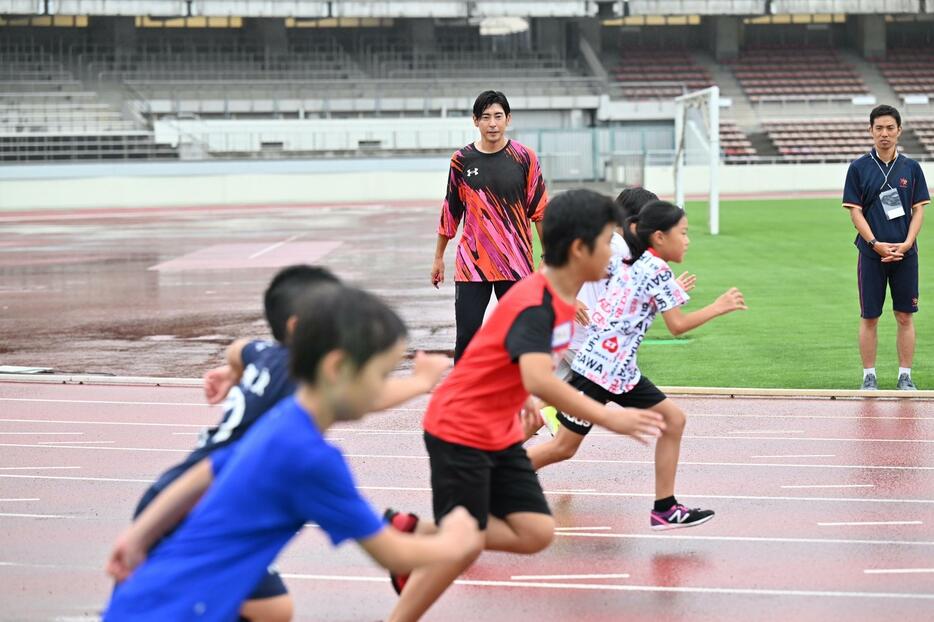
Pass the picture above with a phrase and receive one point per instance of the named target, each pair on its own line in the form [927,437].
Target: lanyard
[885,181]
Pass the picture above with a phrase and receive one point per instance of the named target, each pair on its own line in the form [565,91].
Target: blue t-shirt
[280,476]
[866,179]
[264,383]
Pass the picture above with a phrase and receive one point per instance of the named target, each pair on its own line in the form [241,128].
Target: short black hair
[631,200]
[884,110]
[654,216]
[284,291]
[574,215]
[488,98]
[336,317]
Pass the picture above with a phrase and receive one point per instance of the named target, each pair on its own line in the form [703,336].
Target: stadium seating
[734,144]
[924,130]
[783,74]
[909,71]
[819,140]
[657,74]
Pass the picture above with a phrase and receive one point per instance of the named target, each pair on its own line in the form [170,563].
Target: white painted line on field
[74,442]
[803,486]
[47,400]
[762,539]
[9,515]
[186,433]
[635,588]
[41,433]
[88,447]
[898,570]
[276,245]
[871,523]
[570,577]
[131,423]
[571,491]
[78,479]
[767,432]
[582,528]
[7,500]
[57,566]
[37,468]
[798,456]
[810,417]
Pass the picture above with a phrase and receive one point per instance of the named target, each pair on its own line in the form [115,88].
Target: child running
[605,369]
[472,432]
[258,493]
[255,378]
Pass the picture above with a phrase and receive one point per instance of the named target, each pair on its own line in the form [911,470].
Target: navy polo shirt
[866,179]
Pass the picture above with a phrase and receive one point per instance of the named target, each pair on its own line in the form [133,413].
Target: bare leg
[668,448]
[522,532]
[905,339]
[275,609]
[868,341]
[561,447]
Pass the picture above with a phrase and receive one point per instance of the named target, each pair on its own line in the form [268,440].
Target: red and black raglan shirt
[495,194]
[477,405]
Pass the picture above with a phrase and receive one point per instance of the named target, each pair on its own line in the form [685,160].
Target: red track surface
[74,459]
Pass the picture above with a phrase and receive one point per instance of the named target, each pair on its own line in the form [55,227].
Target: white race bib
[892,204]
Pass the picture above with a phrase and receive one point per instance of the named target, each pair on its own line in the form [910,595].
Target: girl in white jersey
[605,367]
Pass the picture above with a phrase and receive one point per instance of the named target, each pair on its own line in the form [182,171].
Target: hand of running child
[636,423]
[582,317]
[126,556]
[530,417]
[217,383]
[687,281]
[731,300]
[430,367]
[437,273]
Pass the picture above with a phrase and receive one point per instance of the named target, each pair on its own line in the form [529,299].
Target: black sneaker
[905,383]
[405,522]
[679,516]
[870,384]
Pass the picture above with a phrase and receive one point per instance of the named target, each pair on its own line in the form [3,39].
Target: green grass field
[795,262]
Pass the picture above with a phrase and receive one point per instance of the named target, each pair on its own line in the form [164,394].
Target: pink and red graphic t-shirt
[495,194]
[620,319]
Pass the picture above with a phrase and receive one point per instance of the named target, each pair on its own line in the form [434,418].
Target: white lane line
[635,588]
[6,500]
[276,245]
[186,433]
[582,528]
[57,566]
[74,442]
[131,423]
[547,492]
[803,486]
[767,540]
[89,447]
[898,570]
[871,523]
[37,468]
[570,577]
[10,515]
[115,402]
[767,432]
[810,417]
[41,433]
[798,456]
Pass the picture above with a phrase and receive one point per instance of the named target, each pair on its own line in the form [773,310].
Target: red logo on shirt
[611,345]
[903,183]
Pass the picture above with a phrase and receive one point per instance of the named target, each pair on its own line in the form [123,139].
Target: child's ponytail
[654,216]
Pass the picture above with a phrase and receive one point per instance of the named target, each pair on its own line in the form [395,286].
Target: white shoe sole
[682,525]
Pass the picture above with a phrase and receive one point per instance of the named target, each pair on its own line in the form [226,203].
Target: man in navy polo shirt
[886,193]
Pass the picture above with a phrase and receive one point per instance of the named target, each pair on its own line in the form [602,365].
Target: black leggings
[470,302]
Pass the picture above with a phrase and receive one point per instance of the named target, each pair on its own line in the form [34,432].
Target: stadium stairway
[741,111]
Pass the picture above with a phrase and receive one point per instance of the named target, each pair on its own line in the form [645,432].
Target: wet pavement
[160,292]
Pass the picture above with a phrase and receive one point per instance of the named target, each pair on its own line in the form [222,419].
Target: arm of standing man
[919,199]
[451,214]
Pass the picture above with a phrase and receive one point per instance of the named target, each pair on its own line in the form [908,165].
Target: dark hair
[337,317]
[284,291]
[654,216]
[884,111]
[488,98]
[631,200]
[574,215]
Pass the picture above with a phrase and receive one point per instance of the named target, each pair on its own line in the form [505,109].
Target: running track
[825,511]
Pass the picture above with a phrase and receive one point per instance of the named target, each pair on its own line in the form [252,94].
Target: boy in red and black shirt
[472,429]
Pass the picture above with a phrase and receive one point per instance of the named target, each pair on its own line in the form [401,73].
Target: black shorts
[484,482]
[872,277]
[643,395]
[270,586]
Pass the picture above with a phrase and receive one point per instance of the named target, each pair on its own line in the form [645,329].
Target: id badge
[892,204]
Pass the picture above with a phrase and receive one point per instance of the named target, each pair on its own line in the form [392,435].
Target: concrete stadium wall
[107,185]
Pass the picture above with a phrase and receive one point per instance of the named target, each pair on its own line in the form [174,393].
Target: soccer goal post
[697,143]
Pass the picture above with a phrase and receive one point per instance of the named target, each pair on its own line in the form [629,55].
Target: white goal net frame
[697,122]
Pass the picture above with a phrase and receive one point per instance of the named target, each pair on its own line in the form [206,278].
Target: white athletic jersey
[593,291]
[620,319]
